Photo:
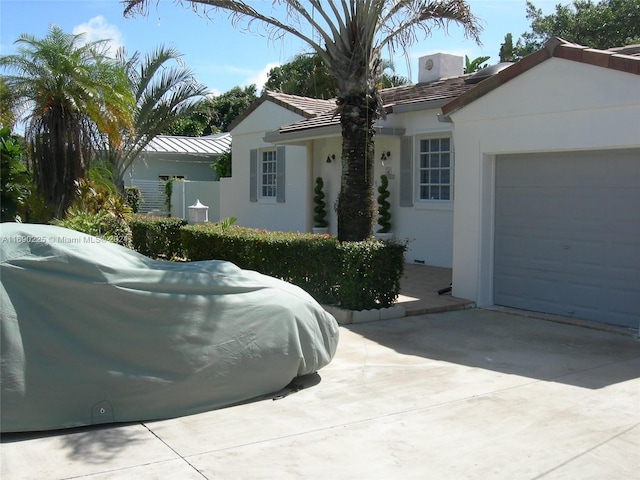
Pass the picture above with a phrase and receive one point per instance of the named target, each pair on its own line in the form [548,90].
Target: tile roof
[396,99]
[208,145]
[303,106]
[558,48]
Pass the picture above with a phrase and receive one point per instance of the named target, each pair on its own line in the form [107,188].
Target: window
[435,180]
[268,174]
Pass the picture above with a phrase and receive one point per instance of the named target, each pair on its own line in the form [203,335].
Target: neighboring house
[547,191]
[184,158]
[283,142]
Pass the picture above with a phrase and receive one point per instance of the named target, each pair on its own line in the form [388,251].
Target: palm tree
[71,91]
[349,36]
[164,91]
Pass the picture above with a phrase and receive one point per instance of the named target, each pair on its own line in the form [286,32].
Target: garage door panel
[567,234]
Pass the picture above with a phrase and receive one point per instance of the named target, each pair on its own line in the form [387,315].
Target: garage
[567,234]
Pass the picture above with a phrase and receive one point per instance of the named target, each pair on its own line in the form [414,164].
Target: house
[184,158]
[547,190]
[545,182]
[283,142]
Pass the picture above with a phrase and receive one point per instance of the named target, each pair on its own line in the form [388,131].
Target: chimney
[439,65]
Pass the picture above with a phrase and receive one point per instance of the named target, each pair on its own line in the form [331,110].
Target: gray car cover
[93,332]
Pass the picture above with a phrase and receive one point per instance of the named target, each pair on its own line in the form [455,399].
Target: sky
[222,56]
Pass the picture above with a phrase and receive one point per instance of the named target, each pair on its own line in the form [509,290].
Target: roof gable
[303,106]
[554,47]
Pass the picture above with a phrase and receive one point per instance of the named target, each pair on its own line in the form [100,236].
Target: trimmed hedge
[354,275]
[157,236]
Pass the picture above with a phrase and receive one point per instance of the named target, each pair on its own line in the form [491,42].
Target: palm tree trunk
[355,203]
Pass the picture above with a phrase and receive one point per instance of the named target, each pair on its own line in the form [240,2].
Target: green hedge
[157,236]
[353,275]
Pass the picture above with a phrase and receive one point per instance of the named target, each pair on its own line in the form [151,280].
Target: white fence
[153,197]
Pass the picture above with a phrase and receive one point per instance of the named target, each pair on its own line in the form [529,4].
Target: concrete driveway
[470,394]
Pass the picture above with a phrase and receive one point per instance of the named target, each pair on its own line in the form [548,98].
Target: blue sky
[223,57]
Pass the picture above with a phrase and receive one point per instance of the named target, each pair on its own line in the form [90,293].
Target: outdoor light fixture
[385,156]
[330,158]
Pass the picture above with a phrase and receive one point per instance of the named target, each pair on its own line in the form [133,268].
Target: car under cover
[93,332]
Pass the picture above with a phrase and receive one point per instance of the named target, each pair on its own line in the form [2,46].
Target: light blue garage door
[567,234]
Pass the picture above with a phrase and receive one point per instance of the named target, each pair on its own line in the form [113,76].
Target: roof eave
[554,47]
[301,136]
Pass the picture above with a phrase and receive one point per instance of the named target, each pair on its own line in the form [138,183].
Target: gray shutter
[253,175]
[406,172]
[280,178]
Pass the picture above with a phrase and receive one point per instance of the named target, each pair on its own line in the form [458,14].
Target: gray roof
[208,145]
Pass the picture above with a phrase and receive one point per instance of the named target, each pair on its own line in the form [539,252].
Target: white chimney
[439,65]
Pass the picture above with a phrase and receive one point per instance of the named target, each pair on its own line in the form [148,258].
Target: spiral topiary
[319,211]
[384,213]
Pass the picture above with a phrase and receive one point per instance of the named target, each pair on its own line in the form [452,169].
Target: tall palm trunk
[355,202]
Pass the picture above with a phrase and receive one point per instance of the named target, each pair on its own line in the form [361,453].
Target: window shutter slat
[406,172]
[280,177]
[253,175]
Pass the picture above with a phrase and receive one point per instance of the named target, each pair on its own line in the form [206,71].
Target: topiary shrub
[384,207]
[319,210]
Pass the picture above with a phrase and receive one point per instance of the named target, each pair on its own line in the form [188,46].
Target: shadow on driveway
[512,344]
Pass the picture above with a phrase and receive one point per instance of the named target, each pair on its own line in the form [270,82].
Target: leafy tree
[305,75]
[73,91]
[164,91]
[349,37]
[226,107]
[603,25]
[506,49]
[474,65]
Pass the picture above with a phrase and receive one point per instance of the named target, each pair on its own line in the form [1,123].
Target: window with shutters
[435,168]
[268,174]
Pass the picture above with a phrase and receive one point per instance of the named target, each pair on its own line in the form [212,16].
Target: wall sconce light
[385,156]
[330,158]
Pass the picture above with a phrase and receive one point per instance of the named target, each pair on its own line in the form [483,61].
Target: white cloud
[260,78]
[97,28]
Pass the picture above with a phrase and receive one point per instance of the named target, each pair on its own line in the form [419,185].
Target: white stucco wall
[292,215]
[427,226]
[558,105]
[151,166]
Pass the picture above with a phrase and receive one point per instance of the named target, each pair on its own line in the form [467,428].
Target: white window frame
[267,174]
[424,175]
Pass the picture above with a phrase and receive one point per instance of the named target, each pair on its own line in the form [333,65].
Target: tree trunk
[355,202]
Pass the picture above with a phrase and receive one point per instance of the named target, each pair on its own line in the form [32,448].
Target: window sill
[444,205]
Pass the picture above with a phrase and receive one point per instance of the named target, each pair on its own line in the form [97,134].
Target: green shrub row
[157,236]
[353,275]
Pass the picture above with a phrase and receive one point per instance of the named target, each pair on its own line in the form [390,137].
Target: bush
[157,236]
[384,207]
[370,274]
[98,210]
[134,198]
[354,275]
[319,210]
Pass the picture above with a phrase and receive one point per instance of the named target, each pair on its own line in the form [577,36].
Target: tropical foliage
[72,92]
[349,37]
[164,90]
[14,176]
[603,25]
